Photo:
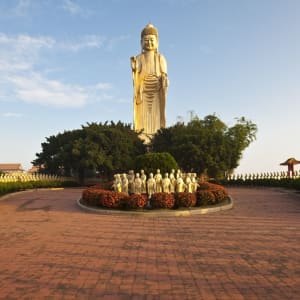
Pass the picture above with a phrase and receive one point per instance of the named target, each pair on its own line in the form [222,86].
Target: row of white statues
[138,183]
[23,177]
[267,175]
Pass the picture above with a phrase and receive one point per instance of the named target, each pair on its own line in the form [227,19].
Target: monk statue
[158,181]
[151,185]
[150,83]
[137,184]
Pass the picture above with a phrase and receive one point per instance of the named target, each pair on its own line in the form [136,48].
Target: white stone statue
[180,185]
[137,184]
[166,183]
[124,183]
[150,185]
[188,183]
[150,83]
[194,182]
[144,182]
[178,174]
[117,185]
[158,181]
[130,177]
[173,181]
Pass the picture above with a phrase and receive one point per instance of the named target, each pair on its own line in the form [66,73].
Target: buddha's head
[149,38]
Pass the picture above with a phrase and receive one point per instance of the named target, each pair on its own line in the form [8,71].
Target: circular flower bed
[206,194]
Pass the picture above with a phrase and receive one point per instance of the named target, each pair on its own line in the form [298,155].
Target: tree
[150,162]
[206,146]
[105,148]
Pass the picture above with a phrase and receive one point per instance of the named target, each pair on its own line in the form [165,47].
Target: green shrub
[11,187]
[150,162]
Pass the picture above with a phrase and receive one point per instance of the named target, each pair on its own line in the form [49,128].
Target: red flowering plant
[111,199]
[219,192]
[136,201]
[220,195]
[96,196]
[184,199]
[205,197]
[162,200]
[92,196]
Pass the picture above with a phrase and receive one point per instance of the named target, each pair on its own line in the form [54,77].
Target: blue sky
[64,63]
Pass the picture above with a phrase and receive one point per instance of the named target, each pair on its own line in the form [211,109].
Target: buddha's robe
[149,70]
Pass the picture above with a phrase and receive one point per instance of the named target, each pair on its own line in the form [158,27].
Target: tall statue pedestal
[146,138]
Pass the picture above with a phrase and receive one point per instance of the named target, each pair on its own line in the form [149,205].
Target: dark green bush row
[291,183]
[11,187]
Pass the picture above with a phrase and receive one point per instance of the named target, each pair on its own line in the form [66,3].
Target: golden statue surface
[150,83]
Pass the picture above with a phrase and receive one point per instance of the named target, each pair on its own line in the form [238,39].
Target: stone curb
[159,213]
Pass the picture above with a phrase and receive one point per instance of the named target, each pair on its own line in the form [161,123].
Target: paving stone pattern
[51,249]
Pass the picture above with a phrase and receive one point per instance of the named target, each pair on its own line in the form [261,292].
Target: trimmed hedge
[207,194]
[290,183]
[11,187]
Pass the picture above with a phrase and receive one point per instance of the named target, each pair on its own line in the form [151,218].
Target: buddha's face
[149,42]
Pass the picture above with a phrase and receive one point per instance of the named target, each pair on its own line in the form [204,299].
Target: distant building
[34,169]
[11,168]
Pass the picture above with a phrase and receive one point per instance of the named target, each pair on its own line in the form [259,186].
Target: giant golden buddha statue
[150,83]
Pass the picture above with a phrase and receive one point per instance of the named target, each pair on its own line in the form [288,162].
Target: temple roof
[11,167]
[290,161]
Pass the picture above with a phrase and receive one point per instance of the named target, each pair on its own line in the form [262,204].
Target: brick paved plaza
[51,249]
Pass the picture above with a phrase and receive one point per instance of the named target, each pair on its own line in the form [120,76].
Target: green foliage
[11,187]
[206,146]
[150,162]
[102,148]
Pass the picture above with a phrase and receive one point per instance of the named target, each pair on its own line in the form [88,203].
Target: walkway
[50,249]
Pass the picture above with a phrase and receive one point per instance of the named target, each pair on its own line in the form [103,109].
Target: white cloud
[11,115]
[75,9]
[24,72]
[88,41]
[26,48]
[22,7]
[103,86]
[20,52]
[37,89]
